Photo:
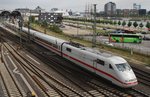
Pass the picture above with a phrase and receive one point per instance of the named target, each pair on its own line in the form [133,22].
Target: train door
[94,66]
[110,70]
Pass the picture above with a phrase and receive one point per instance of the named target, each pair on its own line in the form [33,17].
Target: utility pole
[29,26]
[20,24]
[77,27]
[94,28]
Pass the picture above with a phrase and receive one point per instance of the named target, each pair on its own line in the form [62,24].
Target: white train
[113,68]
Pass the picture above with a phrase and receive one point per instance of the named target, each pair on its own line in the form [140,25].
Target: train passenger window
[100,62]
[110,66]
[68,49]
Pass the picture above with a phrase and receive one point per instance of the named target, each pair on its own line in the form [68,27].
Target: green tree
[123,23]
[148,25]
[102,21]
[135,24]
[98,21]
[32,19]
[141,25]
[110,22]
[129,24]
[115,23]
[45,25]
[55,28]
[119,23]
[105,22]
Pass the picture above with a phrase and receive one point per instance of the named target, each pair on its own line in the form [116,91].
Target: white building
[63,12]
[26,12]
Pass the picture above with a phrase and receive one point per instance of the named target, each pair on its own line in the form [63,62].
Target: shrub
[55,28]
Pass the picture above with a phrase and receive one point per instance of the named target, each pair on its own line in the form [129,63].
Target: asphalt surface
[143,47]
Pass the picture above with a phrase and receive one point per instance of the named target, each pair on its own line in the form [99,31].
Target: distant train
[113,68]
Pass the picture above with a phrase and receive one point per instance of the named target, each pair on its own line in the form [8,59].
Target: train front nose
[130,83]
[130,79]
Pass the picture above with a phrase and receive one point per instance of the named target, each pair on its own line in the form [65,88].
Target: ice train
[113,68]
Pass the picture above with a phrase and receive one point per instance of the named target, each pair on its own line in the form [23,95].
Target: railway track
[11,86]
[37,74]
[98,88]
[143,76]
[3,86]
[107,91]
[94,92]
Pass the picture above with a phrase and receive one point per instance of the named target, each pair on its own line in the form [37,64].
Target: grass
[135,58]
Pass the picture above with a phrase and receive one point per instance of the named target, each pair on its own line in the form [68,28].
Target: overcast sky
[74,5]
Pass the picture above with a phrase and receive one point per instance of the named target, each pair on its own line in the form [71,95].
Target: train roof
[110,57]
[106,56]
[96,51]
[45,36]
[38,34]
[116,60]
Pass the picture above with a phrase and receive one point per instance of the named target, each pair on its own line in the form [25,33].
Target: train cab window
[100,62]
[68,49]
[110,66]
[123,67]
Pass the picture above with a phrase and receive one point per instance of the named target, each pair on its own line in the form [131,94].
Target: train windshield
[123,67]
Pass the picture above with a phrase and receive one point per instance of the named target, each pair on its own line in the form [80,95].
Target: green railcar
[125,38]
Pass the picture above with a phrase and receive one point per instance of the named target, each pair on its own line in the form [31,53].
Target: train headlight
[131,80]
